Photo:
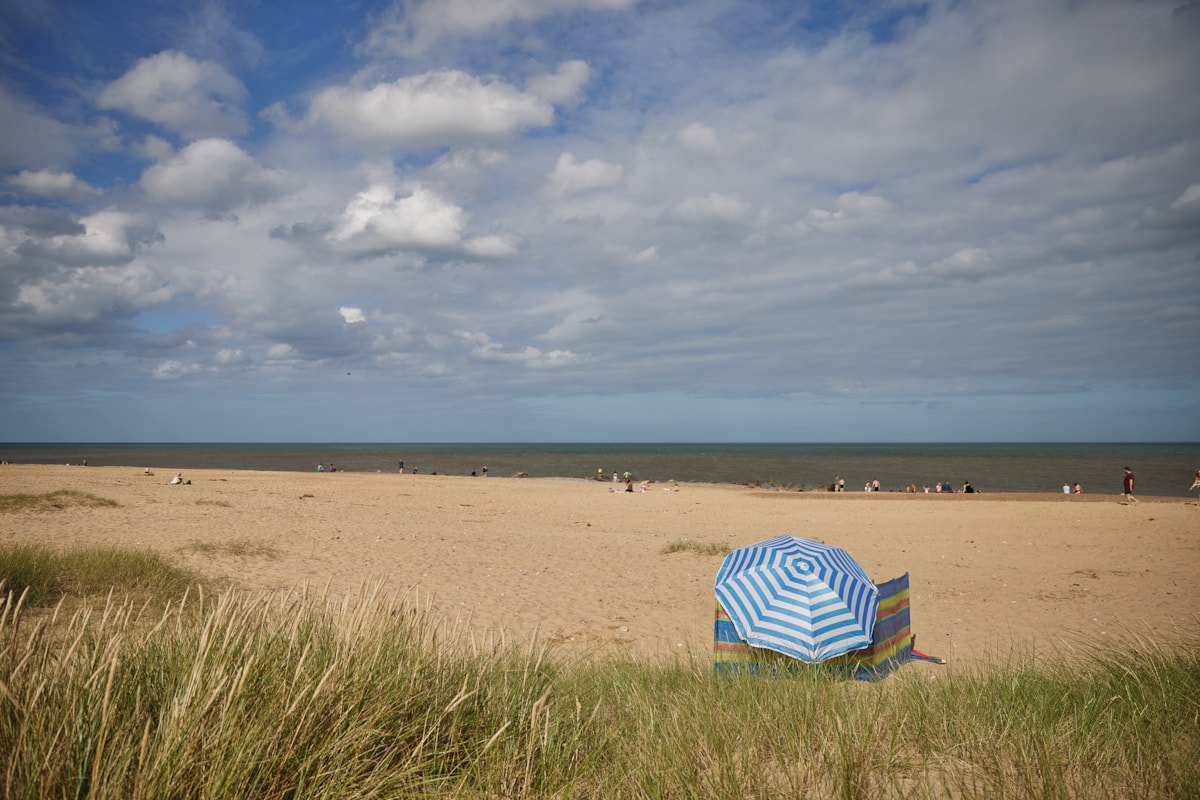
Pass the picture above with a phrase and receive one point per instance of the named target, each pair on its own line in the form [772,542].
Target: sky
[599,220]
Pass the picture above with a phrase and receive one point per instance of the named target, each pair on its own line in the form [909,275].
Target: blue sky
[600,220]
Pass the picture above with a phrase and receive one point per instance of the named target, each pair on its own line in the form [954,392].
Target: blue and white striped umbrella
[804,599]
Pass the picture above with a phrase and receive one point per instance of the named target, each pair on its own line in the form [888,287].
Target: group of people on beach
[839,483]
[941,487]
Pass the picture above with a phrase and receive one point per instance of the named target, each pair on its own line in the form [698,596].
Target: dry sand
[583,567]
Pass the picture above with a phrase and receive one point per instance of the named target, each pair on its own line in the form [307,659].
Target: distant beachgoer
[1195,485]
[485,472]
[178,479]
[875,485]
[1066,488]
[401,467]
[628,481]
[1077,489]
[320,467]
[600,473]
[839,484]
[968,488]
[616,477]
[1127,486]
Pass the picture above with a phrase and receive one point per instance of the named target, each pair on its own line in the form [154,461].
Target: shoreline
[754,485]
[1164,470]
[583,569]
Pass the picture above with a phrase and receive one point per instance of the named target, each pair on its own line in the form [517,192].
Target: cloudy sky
[600,220]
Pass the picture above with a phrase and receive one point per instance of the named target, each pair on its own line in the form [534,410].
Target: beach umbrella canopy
[805,599]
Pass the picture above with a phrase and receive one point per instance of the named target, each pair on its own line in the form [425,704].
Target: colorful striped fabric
[891,643]
[800,597]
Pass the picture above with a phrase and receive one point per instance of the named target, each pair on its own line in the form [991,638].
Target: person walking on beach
[1127,487]
[1194,486]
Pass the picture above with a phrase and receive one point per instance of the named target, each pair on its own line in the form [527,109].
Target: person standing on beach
[1195,484]
[1127,487]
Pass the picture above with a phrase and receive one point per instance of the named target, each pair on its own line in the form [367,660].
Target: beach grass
[300,694]
[44,576]
[233,547]
[696,547]
[60,499]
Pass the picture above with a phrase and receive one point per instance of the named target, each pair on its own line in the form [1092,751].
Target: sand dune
[583,567]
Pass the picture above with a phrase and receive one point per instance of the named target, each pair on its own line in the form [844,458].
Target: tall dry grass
[294,695]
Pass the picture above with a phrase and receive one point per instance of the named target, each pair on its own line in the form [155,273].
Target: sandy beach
[582,568]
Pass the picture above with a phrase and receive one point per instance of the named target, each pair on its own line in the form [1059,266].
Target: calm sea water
[1161,469]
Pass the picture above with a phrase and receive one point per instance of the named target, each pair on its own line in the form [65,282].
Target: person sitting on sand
[177,480]
[1078,489]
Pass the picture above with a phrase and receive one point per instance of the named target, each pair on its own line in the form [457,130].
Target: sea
[1162,469]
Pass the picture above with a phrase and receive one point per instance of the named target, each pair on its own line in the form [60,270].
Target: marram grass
[295,695]
[57,500]
[44,575]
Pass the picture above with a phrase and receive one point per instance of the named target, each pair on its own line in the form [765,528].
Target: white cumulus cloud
[851,210]
[444,107]
[563,87]
[214,175]
[699,140]
[379,221]
[105,238]
[50,183]
[171,89]
[482,348]
[352,315]
[572,177]
[171,369]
